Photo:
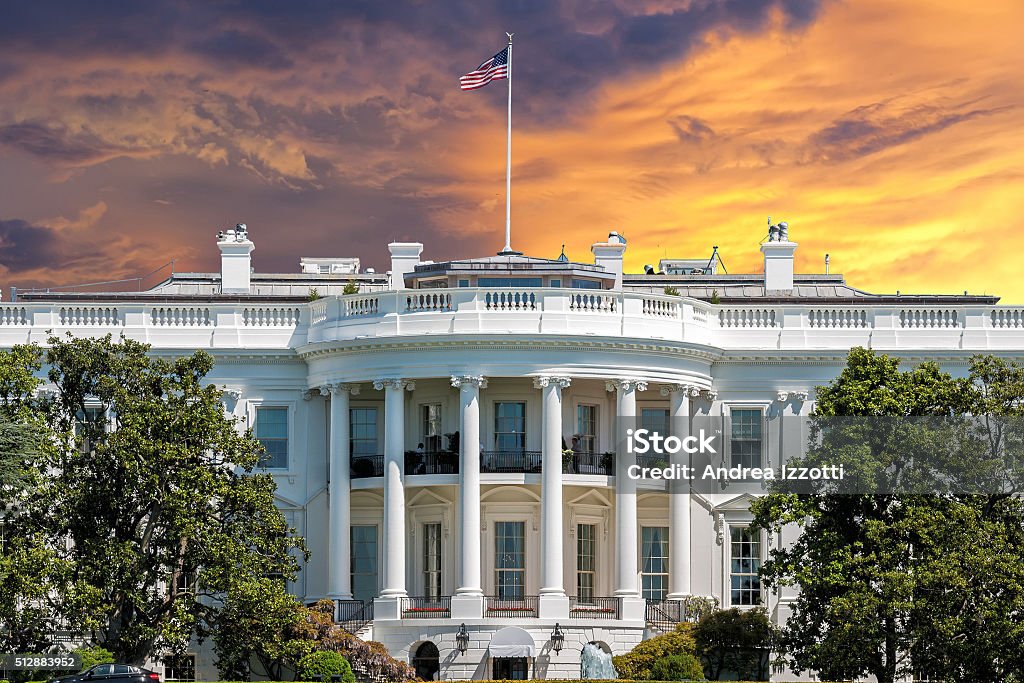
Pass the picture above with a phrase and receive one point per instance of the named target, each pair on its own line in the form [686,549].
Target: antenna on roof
[826,264]
[711,261]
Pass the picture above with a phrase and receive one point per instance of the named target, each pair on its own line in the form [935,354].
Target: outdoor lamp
[462,639]
[557,639]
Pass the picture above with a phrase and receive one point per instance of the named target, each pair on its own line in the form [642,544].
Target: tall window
[745,441]
[430,415]
[432,560]
[364,562]
[180,668]
[654,420]
[586,428]
[745,555]
[510,559]
[654,554]
[586,560]
[363,431]
[510,426]
[272,432]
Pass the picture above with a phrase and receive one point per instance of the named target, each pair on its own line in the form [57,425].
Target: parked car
[114,673]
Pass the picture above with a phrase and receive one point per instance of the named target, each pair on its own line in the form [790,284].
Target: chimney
[778,259]
[235,260]
[404,258]
[609,255]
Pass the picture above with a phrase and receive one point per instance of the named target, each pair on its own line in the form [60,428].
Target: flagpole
[507,251]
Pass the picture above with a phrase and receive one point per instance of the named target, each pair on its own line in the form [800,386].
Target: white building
[416,429]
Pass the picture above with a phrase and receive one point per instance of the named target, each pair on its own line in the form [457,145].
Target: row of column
[468,599]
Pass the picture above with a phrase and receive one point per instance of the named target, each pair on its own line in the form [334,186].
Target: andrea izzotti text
[651,443]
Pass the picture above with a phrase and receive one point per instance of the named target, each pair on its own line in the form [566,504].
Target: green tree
[899,567]
[151,517]
[736,641]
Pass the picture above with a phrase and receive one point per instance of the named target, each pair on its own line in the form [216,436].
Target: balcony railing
[352,615]
[589,463]
[366,466]
[515,608]
[439,462]
[908,322]
[594,608]
[510,461]
[427,608]
[665,614]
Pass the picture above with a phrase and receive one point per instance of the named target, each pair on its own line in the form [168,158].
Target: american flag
[494,68]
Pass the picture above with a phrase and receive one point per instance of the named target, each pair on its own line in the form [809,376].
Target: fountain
[596,664]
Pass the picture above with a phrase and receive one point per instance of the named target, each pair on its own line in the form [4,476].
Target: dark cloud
[234,48]
[25,247]
[875,127]
[53,143]
[690,129]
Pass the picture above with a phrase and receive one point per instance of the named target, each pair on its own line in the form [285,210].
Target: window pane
[745,563]
[432,560]
[510,426]
[586,563]
[272,432]
[745,441]
[654,562]
[364,562]
[363,434]
[510,559]
[586,428]
[654,419]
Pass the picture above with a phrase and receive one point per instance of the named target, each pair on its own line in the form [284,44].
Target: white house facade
[449,439]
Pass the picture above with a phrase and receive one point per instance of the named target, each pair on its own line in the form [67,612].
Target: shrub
[351,287]
[637,663]
[735,641]
[326,664]
[671,291]
[677,668]
[93,655]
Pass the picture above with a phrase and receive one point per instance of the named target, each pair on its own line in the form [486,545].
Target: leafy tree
[637,664]
[151,517]
[914,564]
[735,641]
[91,656]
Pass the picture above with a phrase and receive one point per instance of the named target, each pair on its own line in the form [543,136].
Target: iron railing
[439,607]
[653,460]
[434,462]
[353,615]
[594,608]
[665,614]
[364,466]
[510,461]
[589,463]
[524,607]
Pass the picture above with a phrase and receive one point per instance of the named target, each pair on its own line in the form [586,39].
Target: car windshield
[103,670]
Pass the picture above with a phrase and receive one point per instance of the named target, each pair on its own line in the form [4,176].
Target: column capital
[687,389]
[338,387]
[394,383]
[709,394]
[782,396]
[232,393]
[478,381]
[626,383]
[801,395]
[546,380]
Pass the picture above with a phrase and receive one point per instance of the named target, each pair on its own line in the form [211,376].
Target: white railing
[183,316]
[528,311]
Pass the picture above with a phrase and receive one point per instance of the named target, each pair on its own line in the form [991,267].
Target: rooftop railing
[523,310]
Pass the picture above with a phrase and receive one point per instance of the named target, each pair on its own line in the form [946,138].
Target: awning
[512,641]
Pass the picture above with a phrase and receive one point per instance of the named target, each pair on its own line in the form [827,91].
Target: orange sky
[888,134]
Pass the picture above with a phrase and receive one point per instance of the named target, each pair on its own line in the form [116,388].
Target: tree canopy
[913,566]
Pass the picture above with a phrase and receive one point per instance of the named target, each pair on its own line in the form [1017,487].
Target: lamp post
[462,640]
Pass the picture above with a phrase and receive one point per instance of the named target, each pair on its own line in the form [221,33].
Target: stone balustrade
[530,311]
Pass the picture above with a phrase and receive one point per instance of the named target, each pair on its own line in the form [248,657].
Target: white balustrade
[427,300]
[356,306]
[665,308]
[592,302]
[73,316]
[512,300]
[930,318]
[758,318]
[13,315]
[271,316]
[838,317]
[174,316]
[1008,318]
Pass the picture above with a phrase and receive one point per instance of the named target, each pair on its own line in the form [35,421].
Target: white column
[394,489]
[468,603]
[554,604]
[679,550]
[339,581]
[627,584]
